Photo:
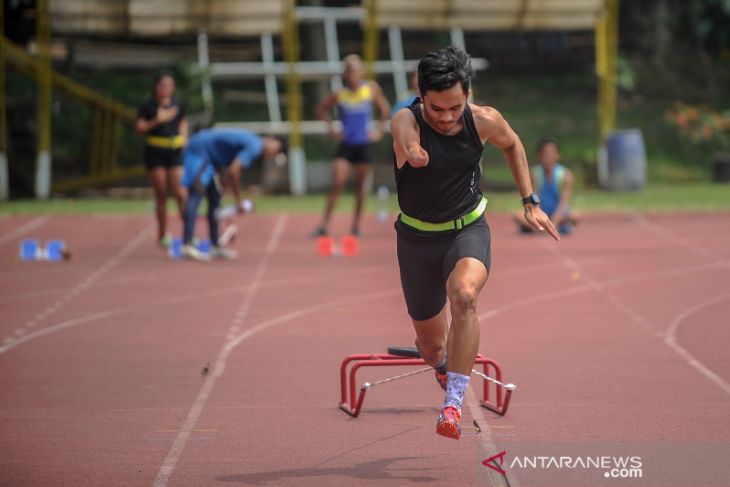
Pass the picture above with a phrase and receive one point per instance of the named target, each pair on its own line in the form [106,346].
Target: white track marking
[168,466]
[31,225]
[233,340]
[87,282]
[639,319]
[594,284]
[10,342]
[487,443]
[680,241]
[671,340]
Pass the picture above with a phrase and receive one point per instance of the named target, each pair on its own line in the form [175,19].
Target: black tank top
[448,187]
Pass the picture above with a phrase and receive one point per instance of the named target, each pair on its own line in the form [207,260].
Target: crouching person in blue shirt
[213,160]
[554,185]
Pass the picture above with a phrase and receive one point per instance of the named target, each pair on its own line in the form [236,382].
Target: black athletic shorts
[426,260]
[355,153]
[155,157]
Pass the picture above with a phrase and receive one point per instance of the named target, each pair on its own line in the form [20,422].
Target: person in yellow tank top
[354,105]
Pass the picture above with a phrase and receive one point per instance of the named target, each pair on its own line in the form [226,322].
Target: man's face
[165,87]
[354,74]
[549,155]
[444,108]
[271,148]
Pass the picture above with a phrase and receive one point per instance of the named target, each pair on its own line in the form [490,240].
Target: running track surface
[617,338]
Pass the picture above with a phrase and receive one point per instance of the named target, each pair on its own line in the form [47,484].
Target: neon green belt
[165,142]
[456,224]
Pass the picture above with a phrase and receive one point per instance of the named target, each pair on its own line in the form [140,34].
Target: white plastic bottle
[383,197]
[231,211]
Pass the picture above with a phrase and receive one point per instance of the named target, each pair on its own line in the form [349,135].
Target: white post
[457,37]
[4,181]
[297,171]
[43,175]
[204,63]
[400,77]
[272,93]
[332,48]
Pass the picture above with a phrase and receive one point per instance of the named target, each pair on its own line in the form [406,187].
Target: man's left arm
[493,128]
[234,171]
[383,108]
[565,193]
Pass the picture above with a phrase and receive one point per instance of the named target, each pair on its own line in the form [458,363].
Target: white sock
[456,389]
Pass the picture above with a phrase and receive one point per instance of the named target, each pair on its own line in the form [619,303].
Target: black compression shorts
[426,260]
[155,157]
[355,153]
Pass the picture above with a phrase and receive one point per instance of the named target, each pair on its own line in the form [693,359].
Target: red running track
[617,338]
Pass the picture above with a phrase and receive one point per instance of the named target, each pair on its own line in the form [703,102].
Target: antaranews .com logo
[617,467]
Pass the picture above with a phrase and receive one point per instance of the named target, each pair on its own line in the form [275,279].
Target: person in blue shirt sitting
[213,160]
[554,185]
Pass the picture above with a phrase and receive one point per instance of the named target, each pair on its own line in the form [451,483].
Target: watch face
[532,199]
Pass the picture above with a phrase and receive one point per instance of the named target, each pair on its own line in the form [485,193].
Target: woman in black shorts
[162,121]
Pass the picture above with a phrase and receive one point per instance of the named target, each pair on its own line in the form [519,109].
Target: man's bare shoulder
[488,121]
[374,85]
[402,117]
[485,116]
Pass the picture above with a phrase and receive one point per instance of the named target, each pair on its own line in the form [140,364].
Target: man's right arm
[407,140]
[324,111]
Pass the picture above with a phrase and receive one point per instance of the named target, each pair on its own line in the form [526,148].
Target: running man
[213,161]
[161,119]
[554,183]
[355,108]
[443,238]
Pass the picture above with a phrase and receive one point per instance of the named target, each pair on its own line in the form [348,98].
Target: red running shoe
[442,379]
[449,423]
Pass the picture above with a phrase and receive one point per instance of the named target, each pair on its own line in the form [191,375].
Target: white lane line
[648,326]
[487,446]
[10,342]
[678,240]
[87,282]
[168,466]
[671,340]
[593,284]
[167,469]
[31,225]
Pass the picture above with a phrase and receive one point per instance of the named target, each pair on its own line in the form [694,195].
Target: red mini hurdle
[400,356]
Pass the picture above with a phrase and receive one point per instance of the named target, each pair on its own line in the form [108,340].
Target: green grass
[655,198]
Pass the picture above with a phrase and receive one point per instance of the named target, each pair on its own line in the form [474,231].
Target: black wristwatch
[533,198]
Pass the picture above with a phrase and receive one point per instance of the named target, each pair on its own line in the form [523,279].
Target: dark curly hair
[443,68]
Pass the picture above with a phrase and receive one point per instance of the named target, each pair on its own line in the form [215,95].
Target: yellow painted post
[297,163]
[95,142]
[371,41]
[4,182]
[43,79]
[606,61]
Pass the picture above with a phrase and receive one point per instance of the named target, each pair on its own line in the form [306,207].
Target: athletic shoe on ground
[320,231]
[166,241]
[442,379]
[223,253]
[191,252]
[449,423]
